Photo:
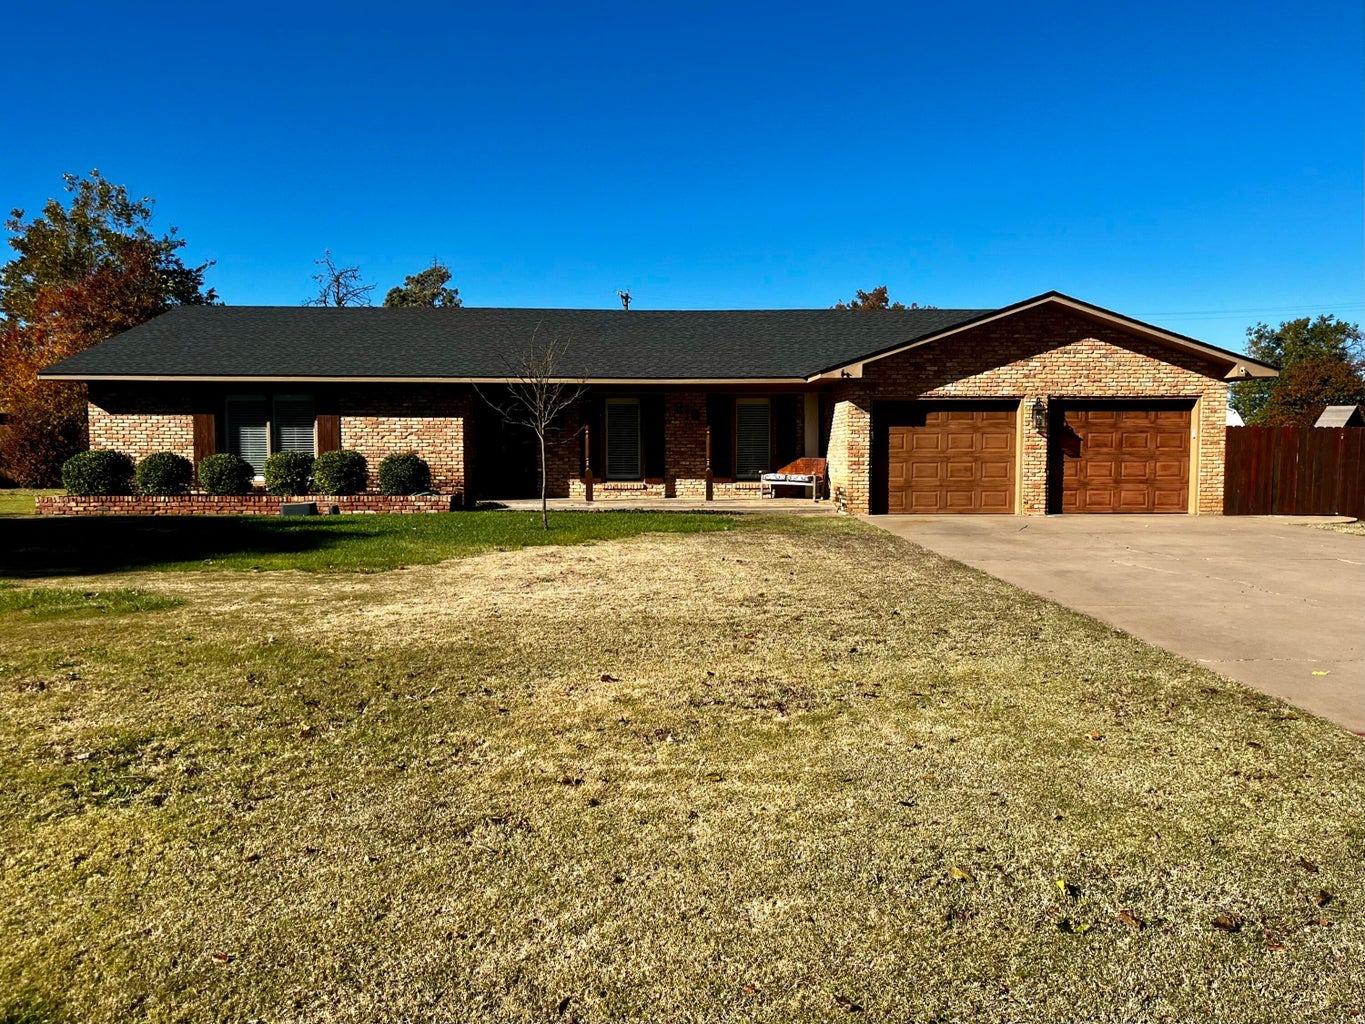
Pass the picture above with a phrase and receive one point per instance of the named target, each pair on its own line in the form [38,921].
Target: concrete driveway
[1269,601]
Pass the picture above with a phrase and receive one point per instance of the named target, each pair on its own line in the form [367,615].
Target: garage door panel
[956,458]
[1125,457]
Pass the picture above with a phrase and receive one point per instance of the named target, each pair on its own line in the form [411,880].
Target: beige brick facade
[427,419]
[376,420]
[1033,357]
[141,419]
[1036,355]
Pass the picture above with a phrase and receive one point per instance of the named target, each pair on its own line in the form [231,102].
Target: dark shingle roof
[286,341]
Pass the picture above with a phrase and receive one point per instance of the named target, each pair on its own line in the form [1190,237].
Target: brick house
[1047,405]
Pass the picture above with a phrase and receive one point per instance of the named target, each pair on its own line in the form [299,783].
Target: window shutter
[294,425]
[248,431]
[205,436]
[329,432]
[753,438]
[623,439]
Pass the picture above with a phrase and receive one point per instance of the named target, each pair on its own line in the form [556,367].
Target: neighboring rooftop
[1341,416]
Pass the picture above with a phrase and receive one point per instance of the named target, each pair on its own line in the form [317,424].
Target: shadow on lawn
[83,545]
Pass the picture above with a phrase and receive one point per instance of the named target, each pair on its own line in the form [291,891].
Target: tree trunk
[544,502]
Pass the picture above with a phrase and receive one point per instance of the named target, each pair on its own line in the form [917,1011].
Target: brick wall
[379,420]
[141,419]
[229,505]
[1034,355]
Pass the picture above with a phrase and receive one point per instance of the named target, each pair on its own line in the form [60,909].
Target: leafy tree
[338,286]
[1307,387]
[82,273]
[64,244]
[1332,345]
[879,298]
[427,288]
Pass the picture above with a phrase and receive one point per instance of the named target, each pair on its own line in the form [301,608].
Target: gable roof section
[301,343]
[1240,367]
[292,343]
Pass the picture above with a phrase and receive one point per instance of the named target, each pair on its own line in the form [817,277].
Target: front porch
[636,445]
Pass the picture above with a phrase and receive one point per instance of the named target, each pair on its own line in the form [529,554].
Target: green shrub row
[286,473]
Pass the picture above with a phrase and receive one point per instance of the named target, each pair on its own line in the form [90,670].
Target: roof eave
[1240,367]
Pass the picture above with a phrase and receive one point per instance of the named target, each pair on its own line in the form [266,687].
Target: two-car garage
[1103,456]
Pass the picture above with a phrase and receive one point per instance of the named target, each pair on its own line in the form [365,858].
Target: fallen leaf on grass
[960,874]
[1068,889]
[1322,898]
[1308,865]
[607,677]
[848,1004]
[1229,922]
[1071,927]
[1131,920]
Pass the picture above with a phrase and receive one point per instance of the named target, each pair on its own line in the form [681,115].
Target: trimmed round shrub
[225,473]
[98,472]
[164,473]
[404,474]
[288,473]
[342,472]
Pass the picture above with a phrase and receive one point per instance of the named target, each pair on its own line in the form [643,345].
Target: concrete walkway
[1269,601]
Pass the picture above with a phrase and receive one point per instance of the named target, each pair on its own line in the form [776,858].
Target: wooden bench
[806,472]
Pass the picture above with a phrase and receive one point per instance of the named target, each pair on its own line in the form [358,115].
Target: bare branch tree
[537,395]
[338,286]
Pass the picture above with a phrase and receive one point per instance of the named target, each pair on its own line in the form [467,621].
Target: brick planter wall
[233,505]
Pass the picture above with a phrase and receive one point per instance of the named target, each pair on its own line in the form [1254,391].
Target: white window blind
[623,439]
[294,424]
[248,430]
[753,440]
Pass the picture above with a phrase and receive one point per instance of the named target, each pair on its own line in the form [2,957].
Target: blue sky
[1196,164]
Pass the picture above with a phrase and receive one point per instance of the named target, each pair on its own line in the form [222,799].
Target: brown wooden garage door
[1124,457]
[951,459]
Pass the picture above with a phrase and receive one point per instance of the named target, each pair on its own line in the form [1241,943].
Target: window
[753,438]
[294,424]
[260,425]
[623,439]
[248,429]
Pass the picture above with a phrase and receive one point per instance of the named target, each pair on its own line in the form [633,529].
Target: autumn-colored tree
[1334,348]
[879,298]
[427,288]
[82,273]
[1307,387]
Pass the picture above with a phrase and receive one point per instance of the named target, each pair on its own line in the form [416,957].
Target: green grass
[781,772]
[63,602]
[18,501]
[93,544]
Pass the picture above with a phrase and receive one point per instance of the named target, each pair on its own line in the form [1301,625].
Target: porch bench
[805,472]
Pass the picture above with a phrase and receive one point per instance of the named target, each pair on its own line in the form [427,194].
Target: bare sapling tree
[338,286]
[536,396]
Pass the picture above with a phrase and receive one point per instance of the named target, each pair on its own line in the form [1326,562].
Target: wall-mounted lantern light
[1039,416]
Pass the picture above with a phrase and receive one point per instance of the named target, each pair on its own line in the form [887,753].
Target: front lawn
[84,544]
[793,770]
[18,501]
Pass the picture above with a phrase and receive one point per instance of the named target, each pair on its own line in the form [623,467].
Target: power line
[1235,314]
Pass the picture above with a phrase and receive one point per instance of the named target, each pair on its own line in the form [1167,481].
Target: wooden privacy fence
[1295,471]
